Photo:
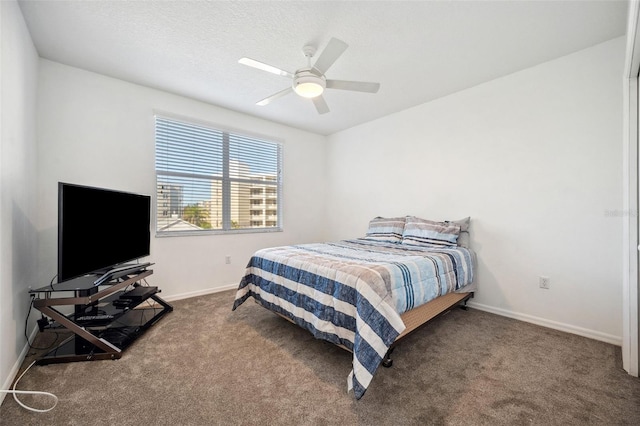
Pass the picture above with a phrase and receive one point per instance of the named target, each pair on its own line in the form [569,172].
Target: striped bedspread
[352,292]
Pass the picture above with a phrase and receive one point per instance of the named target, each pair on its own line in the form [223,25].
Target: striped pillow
[463,238]
[427,232]
[387,229]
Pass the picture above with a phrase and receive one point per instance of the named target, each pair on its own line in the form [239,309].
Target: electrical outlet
[544,282]
[227,260]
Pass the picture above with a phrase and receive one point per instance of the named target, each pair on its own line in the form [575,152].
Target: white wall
[99,131]
[18,247]
[534,158]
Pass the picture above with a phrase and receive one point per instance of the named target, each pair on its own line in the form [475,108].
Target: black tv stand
[102,328]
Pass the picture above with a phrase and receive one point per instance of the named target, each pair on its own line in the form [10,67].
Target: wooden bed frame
[419,316]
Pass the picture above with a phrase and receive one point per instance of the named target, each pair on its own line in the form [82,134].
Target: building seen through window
[212,180]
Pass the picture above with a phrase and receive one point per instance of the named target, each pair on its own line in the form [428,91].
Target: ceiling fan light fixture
[308,84]
[309,90]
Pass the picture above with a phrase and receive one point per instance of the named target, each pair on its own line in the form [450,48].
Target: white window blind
[210,180]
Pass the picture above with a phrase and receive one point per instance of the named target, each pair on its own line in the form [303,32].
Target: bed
[365,294]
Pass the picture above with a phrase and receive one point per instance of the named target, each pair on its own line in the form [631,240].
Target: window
[211,181]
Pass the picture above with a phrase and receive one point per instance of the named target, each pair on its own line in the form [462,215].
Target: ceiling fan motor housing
[308,83]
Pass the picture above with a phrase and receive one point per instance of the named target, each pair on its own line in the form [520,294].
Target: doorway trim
[630,325]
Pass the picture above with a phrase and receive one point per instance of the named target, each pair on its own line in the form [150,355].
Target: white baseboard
[16,367]
[592,334]
[181,296]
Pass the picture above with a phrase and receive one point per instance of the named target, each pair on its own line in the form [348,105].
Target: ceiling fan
[310,81]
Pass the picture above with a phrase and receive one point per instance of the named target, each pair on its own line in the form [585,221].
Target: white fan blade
[268,100]
[264,67]
[358,86]
[334,49]
[321,104]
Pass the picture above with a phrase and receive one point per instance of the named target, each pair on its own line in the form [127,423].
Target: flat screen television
[99,229]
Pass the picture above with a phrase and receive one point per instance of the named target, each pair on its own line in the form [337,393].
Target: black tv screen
[100,228]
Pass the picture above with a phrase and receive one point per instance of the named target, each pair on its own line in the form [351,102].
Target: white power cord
[16,392]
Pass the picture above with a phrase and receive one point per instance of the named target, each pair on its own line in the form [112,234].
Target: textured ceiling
[417,50]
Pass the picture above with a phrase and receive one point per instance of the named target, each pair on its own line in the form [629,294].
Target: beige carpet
[203,364]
